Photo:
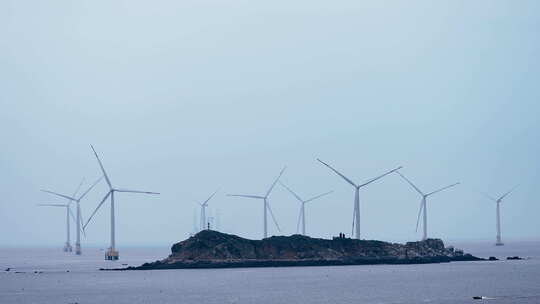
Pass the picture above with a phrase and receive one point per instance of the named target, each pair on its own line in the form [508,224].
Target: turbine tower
[423,204]
[203,205]
[112,253]
[498,219]
[356,217]
[302,214]
[79,219]
[266,206]
[195,229]
[67,246]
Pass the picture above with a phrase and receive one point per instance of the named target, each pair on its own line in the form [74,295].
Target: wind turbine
[203,211]
[423,204]
[356,218]
[79,219]
[67,246]
[112,253]
[302,215]
[498,201]
[266,204]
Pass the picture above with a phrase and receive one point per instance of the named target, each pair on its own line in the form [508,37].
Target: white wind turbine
[498,219]
[423,204]
[203,205]
[302,214]
[266,205]
[112,253]
[356,217]
[79,219]
[67,246]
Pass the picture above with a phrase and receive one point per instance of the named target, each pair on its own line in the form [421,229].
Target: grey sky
[183,97]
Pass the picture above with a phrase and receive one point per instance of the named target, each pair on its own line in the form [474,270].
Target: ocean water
[52,276]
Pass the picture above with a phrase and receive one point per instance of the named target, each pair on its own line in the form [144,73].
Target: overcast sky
[185,97]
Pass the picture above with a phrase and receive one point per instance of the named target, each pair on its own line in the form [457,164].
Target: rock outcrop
[212,249]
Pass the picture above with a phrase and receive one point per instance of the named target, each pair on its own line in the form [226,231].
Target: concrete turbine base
[68,248]
[111,255]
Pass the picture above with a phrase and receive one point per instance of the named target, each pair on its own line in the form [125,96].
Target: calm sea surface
[51,276]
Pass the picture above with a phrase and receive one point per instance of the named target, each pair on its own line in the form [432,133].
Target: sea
[48,275]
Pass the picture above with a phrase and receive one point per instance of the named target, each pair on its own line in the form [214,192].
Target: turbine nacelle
[499,200]
[73,198]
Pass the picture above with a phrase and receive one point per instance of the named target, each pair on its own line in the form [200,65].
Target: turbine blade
[82,223]
[272,215]
[88,190]
[292,192]
[410,183]
[318,196]
[135,191]
[419,213]
[102,169]
[274,183]
[78,188]
[53,205]
[379,177]
[338,173]
[248,196]
[443,188]
[97,208]
[58,194]
[504,195]
[206,202]
[489,197]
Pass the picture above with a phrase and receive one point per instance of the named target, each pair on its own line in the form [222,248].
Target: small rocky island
[212,249]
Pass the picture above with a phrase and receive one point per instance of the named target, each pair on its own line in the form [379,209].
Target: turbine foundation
[499,244]
[68,248]
[78,249]
[111,255]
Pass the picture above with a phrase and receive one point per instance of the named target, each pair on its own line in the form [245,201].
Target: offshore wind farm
[269,152]
[205,221]
[206,247]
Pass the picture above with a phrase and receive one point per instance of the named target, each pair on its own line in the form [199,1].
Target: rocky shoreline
[212,249]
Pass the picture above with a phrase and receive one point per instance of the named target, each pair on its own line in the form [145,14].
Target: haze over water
[185,97]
